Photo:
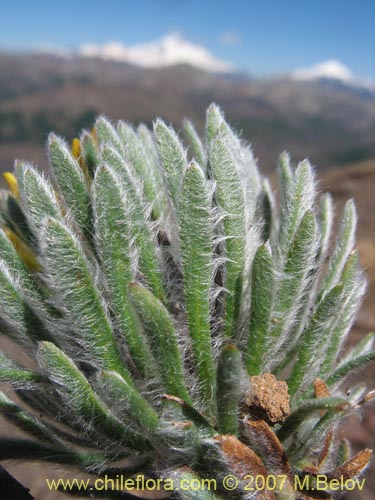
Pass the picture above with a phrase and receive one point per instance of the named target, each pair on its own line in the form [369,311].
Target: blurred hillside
[325,120]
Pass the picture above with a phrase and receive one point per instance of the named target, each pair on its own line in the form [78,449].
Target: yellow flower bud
[25,253]
[76,148]
[12,184]
[94,135]
[77,154]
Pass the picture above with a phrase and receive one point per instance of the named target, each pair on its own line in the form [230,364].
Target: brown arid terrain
[356,181]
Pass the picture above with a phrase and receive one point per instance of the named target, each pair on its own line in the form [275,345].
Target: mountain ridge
[330,124]
[173,49]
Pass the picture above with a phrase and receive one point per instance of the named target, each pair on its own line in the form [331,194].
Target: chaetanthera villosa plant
[178,317]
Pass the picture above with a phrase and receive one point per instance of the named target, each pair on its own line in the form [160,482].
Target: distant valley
[326,119]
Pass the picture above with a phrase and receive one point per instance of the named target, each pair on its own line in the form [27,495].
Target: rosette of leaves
[153,288]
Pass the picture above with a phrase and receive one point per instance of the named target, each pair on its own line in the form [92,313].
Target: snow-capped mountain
[169,50]
[331,70]
[172,49]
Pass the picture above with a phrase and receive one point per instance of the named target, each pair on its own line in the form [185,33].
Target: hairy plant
[159,291]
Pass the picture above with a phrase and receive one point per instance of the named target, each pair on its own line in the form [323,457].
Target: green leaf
[89,152]
[22,449]
[142,238]
[298,196]
[129,404]
[72,279]
[302,446]
[83,403]
[160,331]
[228,389]
[350,366]
[113,237]
[39,197]
[107,135]
[309,407]
[214,122]
[15,219]
[18,320]
[143,166]
[24,420]
[112,158]
[343,453]
[364,346]
[16,376]
[196,241]
[326,221]
[36,311]
[252,182]
[217,127]
[314,340]
[71,182]
[294,280]
[226,175]
[286,181]
[17,268]
[343,247]
[172,156]
[268,212]
[198,152]
[44,400]
[353,290]
[148,143]
[262,288]
[161,203]
[192,415]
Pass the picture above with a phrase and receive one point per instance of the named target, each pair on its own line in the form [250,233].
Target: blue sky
[260,36]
